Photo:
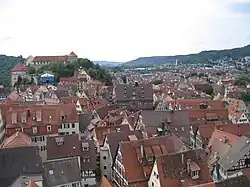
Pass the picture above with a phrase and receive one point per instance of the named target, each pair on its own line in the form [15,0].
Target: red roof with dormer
[72,54]
[18,67]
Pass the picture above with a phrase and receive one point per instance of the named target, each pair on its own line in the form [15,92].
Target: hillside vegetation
[67,70]
[202,57]
[6,64]
[59,69]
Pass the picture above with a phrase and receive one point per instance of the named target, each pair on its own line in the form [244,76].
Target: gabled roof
[131,152]
[18,161]
[173,168]
[18,139]
[62,172]
[239,148]
[72,54]
[18,67]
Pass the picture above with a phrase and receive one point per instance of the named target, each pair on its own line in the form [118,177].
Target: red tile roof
[173,168]
[50,58]
[72,54]
[18,139]
[105,182]
[131,153]
[18,67]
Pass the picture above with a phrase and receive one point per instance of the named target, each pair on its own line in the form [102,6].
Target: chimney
[142,153]
[182,183]
[182,158]
[188,165]
[163,126]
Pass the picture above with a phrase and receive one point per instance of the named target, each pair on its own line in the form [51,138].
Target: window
[49,128]
[73,125]
[73,132]
[62,117]
[43,148]
[105,167]
[153,184]
[68,126]
[67,133]
[61,126]
[34,129]
[104,158]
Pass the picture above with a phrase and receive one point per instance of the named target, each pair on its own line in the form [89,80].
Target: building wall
[14,76]
[106,161]
[154,177]
[2,128]
[69,128]
[118,171]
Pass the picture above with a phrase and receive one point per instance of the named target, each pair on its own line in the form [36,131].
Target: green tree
[245,96]
[31,70]
[242,81]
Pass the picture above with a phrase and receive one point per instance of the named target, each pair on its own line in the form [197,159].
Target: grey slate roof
[62,172]
[239,148]
[115,138]
[84,121]
[125,91]
[17,161]
[240,181]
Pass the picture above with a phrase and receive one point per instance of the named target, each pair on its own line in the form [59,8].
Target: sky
[121,30]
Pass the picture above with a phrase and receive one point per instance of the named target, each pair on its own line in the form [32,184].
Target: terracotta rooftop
[50,58]
[173,168]
[18,139]
[18,67]
[136,154]
[72,54]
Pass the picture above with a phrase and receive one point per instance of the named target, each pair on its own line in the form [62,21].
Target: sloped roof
[18,139]
[72,54]
[18,161]
[62,172]
[18,67]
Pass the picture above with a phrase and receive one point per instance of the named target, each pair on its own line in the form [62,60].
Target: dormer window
[49,128]
[194,170]
[59,140]
[85,146]
[150,159]
[34,129]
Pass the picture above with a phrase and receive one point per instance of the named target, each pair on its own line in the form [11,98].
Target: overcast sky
[121,30]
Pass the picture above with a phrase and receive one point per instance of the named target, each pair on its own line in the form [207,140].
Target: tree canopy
[67,70]
[242,81]
[245,96]
[6,64]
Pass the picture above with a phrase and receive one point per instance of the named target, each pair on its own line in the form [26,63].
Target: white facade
[241,120]
[106,161]
[2,128]
[161,107]
[68,128]
[15,74]
[154,177]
